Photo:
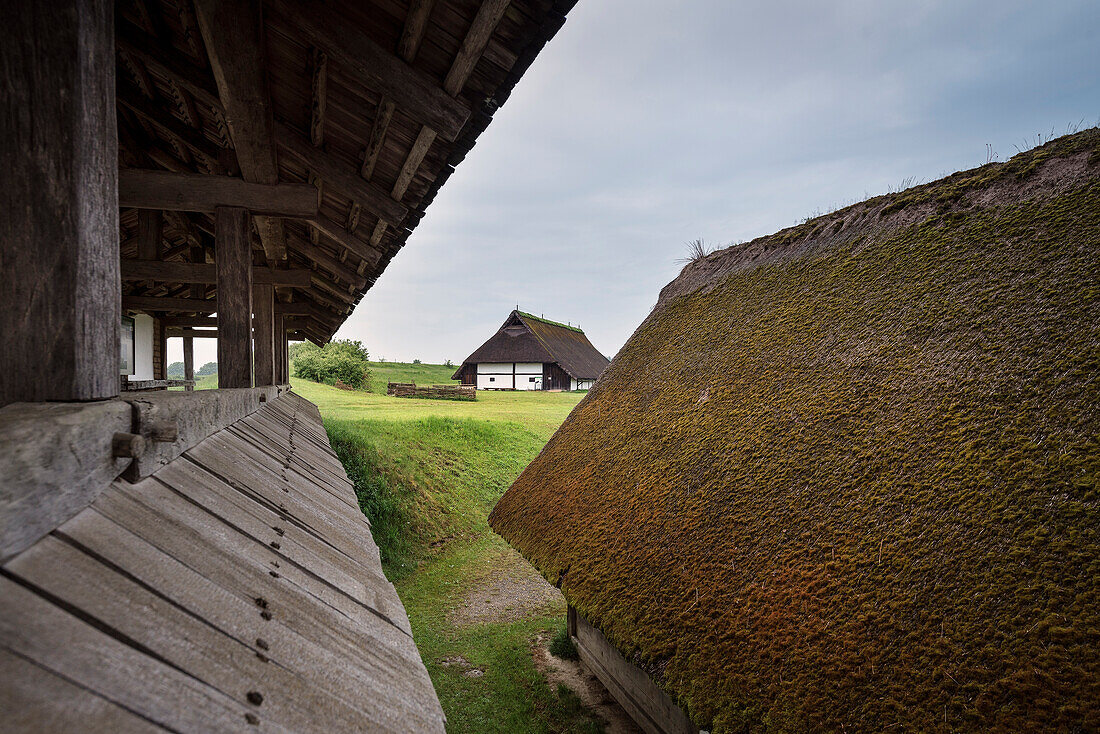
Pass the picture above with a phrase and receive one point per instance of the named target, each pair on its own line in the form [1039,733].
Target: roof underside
[374,103]
[527,338]
[860,482]
[237,585]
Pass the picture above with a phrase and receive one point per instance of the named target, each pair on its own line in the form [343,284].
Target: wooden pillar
[280,349]
[188,361]
[59,202]
[233,256]
[150,234]
[263,329]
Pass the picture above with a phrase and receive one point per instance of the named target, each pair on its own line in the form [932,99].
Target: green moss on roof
[526,315]
[853,483]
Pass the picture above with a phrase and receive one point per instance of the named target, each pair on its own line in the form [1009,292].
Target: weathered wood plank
[377,138]
[181,272]
[341,175]
[38,631]
[233,33]
[34,700]
[320,650]
[194,416]
[233,257]
[649,706]
[323,25]
[55,459]
[60,260]
[209,654]
[195,192]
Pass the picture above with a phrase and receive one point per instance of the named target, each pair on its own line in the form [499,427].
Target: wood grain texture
[365,250]
[233,257]
[58,207]
[417,94]
[341,175]
[194,192]
[263,333]
[181,272]
[243,566]
[55,458]
[473,45]
[233,33]
[648,705]
[416,23]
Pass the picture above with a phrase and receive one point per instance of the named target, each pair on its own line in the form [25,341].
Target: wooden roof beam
[368,252]
[416,23]
[416,93]
[196,192]
[185,305]
[170,63]
[181,272]
[341,175]
[473,45]
[233,33]
[326,261]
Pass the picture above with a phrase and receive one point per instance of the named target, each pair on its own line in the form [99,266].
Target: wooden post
[59,202]
[150,234]
[198,255]
[233,256]
[263,325]
[280,349]
[189,361]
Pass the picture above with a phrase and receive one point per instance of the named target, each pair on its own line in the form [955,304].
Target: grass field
[427,472]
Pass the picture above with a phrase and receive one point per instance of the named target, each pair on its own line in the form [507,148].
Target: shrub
[210,368]
[343,360]
[175,369]
[562,646]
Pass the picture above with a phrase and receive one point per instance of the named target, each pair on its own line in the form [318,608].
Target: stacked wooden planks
[238,585]
[432,392]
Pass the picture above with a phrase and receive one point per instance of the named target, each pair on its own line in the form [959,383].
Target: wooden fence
[433,392]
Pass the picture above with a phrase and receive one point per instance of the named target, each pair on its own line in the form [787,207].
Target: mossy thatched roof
[845,477]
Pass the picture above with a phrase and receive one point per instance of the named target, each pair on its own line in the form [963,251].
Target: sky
[645,124]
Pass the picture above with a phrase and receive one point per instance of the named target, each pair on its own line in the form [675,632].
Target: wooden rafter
[331,229]
[232,31]
[319,98]
[473,45]
[341,175]
[416,93]
[416,23]
[171,64]
[377,139]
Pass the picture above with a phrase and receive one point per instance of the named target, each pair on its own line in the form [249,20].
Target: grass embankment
[427,473]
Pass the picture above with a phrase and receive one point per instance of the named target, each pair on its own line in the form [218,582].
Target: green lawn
[427,473]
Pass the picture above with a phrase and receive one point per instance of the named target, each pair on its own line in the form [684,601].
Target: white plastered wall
[143,347]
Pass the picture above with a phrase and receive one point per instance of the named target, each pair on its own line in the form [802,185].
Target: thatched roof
[524,337]
[845,477]
[373,103]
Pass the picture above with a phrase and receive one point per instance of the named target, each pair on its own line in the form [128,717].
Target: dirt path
[511,590]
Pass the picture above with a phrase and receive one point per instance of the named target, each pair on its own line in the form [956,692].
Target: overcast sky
[645,124]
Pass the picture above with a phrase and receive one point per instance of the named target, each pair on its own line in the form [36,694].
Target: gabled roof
[527,338]
[845,477]
[374,103]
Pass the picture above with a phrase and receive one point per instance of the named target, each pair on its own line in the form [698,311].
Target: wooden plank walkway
[237,588]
